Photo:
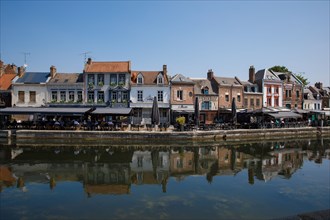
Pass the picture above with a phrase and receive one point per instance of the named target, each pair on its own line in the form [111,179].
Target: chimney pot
[20,71]
[52,71]
[89,61]
[210,74]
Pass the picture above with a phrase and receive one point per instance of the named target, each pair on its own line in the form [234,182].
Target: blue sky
[189,36]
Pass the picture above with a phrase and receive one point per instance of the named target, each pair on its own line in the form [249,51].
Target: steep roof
[33,77]
[202,83]
[108,67]
[180,79]
[265,74]
[5,81]
[283,76]
[67,78]
[227,81]
[310,94]
[149,77]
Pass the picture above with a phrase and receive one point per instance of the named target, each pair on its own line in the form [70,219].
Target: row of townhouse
[113,85]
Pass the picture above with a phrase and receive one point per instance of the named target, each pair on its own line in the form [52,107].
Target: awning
[44,111]
[112,111]
[301,111]
[284,115]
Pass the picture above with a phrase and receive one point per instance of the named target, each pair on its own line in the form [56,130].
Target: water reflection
[114,169]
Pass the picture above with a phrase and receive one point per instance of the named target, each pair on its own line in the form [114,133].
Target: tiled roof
[202,83]
[67,78]
[33,77]
[5,81]
[227,81]
[108,67]
[149,77]
[180,79]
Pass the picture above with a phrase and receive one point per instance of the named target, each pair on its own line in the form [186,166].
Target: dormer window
[205,90]
[140,79]
[160,79]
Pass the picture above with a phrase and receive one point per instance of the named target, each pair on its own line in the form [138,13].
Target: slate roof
[310,93]
[149,77]
[227,81]
[5,81]
[33,78]
[202,83]
[67,78]
[265,74]
[108,67]
[282,76]
[180,79]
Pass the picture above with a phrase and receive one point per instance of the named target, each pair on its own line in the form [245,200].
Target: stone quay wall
[230,135]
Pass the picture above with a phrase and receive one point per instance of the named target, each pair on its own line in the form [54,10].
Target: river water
[70,179]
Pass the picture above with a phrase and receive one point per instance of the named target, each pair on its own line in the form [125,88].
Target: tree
[302,79]
[281,69]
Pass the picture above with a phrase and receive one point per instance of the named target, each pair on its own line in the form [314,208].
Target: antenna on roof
[25,55]
[85,55]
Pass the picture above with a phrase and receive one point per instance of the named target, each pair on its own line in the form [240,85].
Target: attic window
[140,79]
[66,80]
[160,79]
[205,90]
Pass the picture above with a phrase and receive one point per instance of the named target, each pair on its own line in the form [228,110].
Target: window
[121,79]
[269,102]
[160,79]
[113,79]
[251,102]
[276,90]
[269,90]
[125,96]
[160,96]
[179,163]
[206,105]
[113,96]
[63,96]
[71,96]
[79,98]
[90,79]
[100,79]
[227,98]
[163,113]
[239,98]
[253,89]
[32,96]
[288,93]
[246,102]
[179,95]
[318,106]
[90,97]
[297,93]
[54,96]
[140,79]
[100,96]
[257,102]
[140,96]
[205,91]
[21,96]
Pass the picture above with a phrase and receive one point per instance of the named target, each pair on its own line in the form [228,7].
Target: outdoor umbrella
[155,116]
[196,112]
[233,111]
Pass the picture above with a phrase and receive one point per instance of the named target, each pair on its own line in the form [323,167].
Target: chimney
[165,70]
[14,67]
[210,74]
[252,75]
[2,69]
[20,71]
[89,61]
[52,71]
[319,85]
[129,66]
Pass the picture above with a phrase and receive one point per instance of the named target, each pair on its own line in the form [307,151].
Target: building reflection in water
[114,170]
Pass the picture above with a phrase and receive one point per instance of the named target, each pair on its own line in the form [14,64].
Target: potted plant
[90,85]
[101,83]
[181,122]
[113,84]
